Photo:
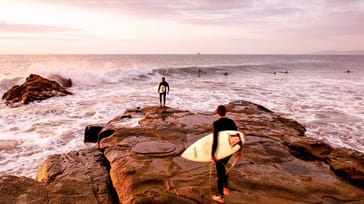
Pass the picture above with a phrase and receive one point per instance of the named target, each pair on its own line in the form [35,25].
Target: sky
[180,27]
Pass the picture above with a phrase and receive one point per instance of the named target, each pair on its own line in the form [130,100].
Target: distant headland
[336,52]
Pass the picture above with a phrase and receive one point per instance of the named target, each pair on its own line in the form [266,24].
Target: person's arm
[214,144]
[159,87]
[167,88]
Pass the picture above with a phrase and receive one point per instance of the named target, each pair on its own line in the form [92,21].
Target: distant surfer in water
[163,90]
[223,123]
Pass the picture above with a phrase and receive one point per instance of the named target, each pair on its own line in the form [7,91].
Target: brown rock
[92,132]
[77,177]
[279,164]
[348,164]
[309,149]
[33,89]
[15,189]
[61,80]
[146,166]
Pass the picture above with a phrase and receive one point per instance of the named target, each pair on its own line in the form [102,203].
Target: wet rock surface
[280,165]
[142,164]
[65,82]
[21,190]
[35,88]
[76,177]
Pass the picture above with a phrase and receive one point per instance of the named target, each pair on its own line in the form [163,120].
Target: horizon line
[198,53]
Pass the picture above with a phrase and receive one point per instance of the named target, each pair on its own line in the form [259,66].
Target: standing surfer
[223,123]
[163,90]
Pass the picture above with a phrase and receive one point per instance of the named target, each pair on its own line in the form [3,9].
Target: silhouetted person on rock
[163,90]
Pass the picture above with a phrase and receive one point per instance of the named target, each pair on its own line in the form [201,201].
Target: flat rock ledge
[143,165]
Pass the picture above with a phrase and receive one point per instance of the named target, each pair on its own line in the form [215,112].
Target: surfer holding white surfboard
[163,90]
[222,124]
[218,147]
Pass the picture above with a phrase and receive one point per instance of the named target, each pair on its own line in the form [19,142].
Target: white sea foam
[328,101]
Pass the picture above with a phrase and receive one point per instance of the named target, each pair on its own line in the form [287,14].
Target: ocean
[323,92]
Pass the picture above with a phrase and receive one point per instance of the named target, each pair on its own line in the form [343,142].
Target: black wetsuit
[220,125]
[163,94]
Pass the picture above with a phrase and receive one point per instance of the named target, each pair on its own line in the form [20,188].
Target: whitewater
[324,93]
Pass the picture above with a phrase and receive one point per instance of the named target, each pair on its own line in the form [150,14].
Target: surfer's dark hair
[221,110]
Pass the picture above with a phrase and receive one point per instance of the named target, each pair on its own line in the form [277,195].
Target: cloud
[200,13]
[154,8]
[28,28]
[273,24]
[217,11]
[253,17]
[232,12]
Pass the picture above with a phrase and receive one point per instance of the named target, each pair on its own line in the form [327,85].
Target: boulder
[35,88]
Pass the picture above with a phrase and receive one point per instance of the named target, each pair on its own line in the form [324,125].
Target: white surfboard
[161,90]
[228,144]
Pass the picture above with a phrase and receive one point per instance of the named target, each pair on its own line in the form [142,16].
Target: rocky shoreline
[143,165]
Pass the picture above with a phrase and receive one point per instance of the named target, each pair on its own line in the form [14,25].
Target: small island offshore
[142,164]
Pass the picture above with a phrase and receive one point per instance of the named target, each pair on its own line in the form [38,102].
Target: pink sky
[180,27]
